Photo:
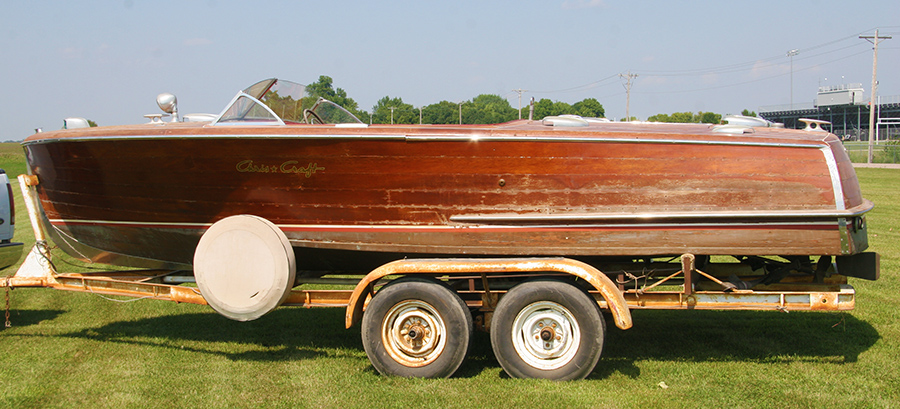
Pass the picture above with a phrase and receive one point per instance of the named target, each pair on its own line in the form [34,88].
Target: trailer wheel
[547,329]
[415,327]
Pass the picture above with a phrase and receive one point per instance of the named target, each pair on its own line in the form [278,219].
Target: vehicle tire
[547,329]
[415,327]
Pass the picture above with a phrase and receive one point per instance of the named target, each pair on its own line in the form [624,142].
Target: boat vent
[572,120]
[198,117]
[565,121]
[75,123]
[750,121]
[741,124]
[732,129]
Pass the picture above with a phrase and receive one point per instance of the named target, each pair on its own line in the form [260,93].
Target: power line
[755,63]
[724,69]
[734,84]
[578,88]
[743,66]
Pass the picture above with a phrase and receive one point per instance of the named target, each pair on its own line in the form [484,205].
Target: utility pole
[874,40]
[392,114]
[420,115]
[520,91]
[628,81]
[791,54]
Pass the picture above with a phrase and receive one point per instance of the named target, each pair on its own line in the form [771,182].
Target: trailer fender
[610,292]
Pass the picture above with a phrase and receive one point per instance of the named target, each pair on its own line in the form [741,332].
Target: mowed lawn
[82,350]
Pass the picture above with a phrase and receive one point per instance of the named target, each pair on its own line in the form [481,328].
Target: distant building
[846,107]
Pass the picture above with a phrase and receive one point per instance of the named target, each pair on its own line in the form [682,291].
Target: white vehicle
[9,252]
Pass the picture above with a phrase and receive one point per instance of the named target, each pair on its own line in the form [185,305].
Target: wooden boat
[351,196]
[527,229]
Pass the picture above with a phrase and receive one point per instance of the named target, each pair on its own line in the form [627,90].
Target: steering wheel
[307,113]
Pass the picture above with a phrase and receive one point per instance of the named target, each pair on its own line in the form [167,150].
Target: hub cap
[413,333]
[546,335]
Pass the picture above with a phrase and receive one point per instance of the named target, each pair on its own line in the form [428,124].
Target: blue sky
[107,60]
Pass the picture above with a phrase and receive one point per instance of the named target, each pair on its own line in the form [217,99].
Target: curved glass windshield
[278,102]
[328,112]
[247,109]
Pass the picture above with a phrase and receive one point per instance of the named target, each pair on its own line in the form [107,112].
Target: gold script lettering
[286,167]
[249,166]
[309,170]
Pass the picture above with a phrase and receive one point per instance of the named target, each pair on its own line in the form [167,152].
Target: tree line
[483,109]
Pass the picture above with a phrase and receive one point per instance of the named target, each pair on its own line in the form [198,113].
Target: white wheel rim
[413,333]
[546,335]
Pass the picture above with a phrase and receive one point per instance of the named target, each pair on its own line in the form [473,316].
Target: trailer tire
[439,321]
[547,329]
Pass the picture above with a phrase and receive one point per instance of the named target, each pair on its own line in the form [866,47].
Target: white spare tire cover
[244,266]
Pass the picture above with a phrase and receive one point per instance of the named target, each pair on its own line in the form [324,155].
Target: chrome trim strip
[652,219]
[845,236]
[835,177]
[125,223]
[339,227]
[434,138]
[209,136]
[495,138]
[692,216]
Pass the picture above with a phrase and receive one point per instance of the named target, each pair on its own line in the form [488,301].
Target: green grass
[884,152]
[75,349]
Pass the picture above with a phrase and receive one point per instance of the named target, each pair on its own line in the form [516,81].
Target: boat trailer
[482,285]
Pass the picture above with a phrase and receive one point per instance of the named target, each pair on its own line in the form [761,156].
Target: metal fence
[882,152]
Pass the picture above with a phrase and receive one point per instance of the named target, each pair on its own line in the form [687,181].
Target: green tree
[388,109]
[444,112]
[748,112]
[589,108]
[285,106]
[489,109]
[562,108]
[682,117]
[542,108]
[709,118]
[324,88]
[687,117]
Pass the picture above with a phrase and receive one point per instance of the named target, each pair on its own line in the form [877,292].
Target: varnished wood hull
[349,197]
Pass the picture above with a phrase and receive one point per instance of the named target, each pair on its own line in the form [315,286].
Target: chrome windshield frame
[320,101]
[278,120]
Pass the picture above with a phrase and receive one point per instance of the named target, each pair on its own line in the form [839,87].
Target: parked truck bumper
[10,253]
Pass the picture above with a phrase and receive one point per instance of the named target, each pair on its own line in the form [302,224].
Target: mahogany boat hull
[355,197]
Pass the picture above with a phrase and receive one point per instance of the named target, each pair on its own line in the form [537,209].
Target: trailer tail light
[12,205]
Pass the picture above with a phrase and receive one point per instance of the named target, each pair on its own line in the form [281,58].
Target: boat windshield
[283,102]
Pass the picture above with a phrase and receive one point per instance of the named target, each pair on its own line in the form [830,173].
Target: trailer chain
[7,324]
